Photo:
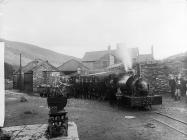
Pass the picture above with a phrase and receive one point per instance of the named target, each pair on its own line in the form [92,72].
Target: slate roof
[71,65]
[46,62]
[96,55]
[33,65]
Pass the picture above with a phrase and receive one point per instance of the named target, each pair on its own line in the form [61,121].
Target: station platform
[37,132]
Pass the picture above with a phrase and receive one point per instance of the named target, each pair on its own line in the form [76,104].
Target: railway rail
[164,118]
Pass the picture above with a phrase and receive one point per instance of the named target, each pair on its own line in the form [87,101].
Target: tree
[8,70]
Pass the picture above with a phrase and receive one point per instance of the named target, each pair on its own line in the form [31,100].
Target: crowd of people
[178,86]
[93,88]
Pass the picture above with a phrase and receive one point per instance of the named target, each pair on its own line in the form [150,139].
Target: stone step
[37,131]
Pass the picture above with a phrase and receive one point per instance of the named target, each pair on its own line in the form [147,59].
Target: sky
[74,27]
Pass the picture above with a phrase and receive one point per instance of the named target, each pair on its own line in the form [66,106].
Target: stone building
[98,60]
[33,74]
[147,58]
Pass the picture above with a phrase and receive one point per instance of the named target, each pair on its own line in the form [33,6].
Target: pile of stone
[157,76]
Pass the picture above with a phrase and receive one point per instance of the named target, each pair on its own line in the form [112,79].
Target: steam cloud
[124,79]
[125,56]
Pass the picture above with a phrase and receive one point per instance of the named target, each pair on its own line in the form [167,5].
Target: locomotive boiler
[133,84]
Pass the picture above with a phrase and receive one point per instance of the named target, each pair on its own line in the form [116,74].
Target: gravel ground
[98,120]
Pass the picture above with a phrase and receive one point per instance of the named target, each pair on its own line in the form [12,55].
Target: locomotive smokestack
[138,67]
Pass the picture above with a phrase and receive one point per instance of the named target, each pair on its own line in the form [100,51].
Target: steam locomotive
[124,87]
[136,92]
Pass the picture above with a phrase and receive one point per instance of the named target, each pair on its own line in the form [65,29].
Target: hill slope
[177,57]
[30,52]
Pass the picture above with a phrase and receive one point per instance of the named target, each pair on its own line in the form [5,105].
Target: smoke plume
[124,79]
[124,55]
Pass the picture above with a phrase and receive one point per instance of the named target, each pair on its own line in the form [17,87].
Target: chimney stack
[109,48]
[152,51]
[117,47]
[109,54]
[138,69]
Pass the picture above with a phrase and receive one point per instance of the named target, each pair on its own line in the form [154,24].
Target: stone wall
[157,76]
[38,76]
[52,78]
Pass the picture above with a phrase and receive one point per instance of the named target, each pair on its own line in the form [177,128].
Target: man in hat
[172,84]
[178,87]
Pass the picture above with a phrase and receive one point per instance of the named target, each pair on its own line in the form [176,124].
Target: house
[146,58]
[98,60]
[73,66]
[33,74]
[117,68]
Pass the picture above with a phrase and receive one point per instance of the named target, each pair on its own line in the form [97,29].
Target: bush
[8,69]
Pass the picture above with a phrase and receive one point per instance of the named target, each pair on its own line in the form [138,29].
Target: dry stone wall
[38,76]
[157,75]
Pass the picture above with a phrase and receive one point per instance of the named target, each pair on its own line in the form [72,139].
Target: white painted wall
[2,86]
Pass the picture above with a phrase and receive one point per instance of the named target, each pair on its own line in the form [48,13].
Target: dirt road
[98,120]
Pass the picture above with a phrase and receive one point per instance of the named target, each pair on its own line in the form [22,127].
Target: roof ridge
[100,51]
[45,61]
[31,62]
[73,60]
[95,55]
[39,63]
[65,62]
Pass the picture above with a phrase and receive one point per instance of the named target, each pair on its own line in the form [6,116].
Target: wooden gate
[28,82]
[18,82]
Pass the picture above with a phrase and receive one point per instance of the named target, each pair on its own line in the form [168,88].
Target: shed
[33,74]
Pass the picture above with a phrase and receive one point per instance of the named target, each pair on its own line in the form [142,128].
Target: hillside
[177,57]
[30,52]
[177,63]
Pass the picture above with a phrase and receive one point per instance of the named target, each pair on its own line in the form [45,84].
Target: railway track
[171,122]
